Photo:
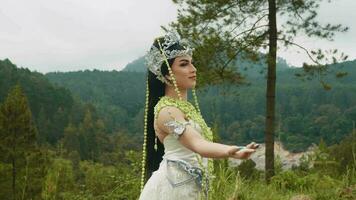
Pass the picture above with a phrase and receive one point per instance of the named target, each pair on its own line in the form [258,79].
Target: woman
[175,126]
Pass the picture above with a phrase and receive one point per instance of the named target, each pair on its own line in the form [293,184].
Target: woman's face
[184,72]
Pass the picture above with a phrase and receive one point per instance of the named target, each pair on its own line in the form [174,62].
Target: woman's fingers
[248,150]
[244,153]
[252,145]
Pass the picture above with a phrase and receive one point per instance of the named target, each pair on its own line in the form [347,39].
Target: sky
[71,35]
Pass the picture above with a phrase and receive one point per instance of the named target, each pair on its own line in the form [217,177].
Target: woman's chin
[192,85]
[189,85]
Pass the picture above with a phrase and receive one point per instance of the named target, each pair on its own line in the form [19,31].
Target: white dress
[159,185]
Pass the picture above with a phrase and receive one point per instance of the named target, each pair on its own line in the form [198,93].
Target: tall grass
[296,184]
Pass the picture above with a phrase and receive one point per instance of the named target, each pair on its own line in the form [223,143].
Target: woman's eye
[184,64]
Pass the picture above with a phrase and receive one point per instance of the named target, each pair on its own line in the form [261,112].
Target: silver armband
[176,128]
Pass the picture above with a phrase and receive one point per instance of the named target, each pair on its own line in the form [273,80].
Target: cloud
[67,35]
[70,35]
[336,12]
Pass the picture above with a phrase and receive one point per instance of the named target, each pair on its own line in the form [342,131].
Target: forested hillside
[51,106]
[117,95]
[306,112]
[52,141]
[78,135]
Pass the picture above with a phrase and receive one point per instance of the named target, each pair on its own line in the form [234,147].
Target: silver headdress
[154,57]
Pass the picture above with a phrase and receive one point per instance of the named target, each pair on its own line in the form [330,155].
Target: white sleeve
[176,128]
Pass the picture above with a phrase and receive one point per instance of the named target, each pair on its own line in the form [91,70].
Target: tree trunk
[271,90]
[13,179]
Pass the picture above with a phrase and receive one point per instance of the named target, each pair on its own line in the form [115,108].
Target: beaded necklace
[191,113]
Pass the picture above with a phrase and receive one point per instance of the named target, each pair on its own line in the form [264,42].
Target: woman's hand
[252,145]
[238,153]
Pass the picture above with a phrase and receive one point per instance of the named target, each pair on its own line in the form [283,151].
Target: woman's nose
[193,68]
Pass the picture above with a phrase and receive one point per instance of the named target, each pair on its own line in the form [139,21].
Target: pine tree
[17,134]
[71,138]
[224,31]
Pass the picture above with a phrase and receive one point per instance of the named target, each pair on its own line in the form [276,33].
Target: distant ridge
[247,68]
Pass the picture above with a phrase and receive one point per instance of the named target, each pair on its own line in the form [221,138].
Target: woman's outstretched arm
[192,140]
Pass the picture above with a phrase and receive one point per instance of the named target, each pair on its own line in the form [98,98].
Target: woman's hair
[156,90]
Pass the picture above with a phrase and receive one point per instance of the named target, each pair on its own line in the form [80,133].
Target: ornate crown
[154,57]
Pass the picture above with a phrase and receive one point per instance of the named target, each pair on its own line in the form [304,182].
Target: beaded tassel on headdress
[144,138]
[170,73]
[196,100]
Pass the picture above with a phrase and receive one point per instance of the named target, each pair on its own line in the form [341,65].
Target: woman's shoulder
[165,104]
[184,106]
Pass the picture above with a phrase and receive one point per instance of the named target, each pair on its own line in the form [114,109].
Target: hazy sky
[69,35]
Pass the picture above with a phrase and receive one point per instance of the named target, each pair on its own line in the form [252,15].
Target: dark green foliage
[223,30]
[92,137]
[118,96]
[50,105]
[238,111]
[18,132]
[247,170]
[344,153]
[19,151]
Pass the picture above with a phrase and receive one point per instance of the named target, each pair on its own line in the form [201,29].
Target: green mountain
[137,65]
[50,105]
[87,120]
[118,96]
[245,67]
[305,111]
